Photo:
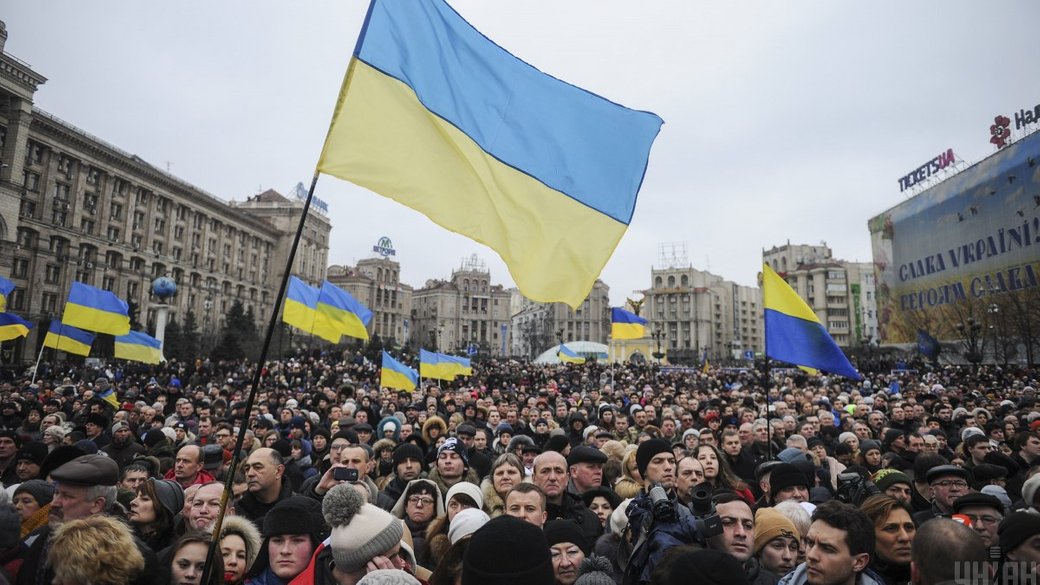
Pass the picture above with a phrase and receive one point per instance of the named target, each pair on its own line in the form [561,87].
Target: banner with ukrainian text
[961,249]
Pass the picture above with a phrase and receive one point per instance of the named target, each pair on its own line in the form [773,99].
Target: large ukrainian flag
[439,118]
[12,326]
[339,311]
[794,333]
[567,355]
[97,310]
[138,347]
[394,374]
[68,338]
[626,325]
[443,367]
[301,311]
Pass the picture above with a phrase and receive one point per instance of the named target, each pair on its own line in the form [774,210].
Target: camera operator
[657,520]
[738,535]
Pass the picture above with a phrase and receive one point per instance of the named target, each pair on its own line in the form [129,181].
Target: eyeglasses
[951,483]
[223,435]
[421,500]
[987,520]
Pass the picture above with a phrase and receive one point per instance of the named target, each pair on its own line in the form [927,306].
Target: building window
[93,175]
[113,234]
[26,238]
[16,300]
[87,226]
[20,268]
[34,154]
[58,217]
[108,283]
[52,274]
[157,247]
[27,208]
[61,192]
[131,289]
[115,211]
[159,226]
[49,302]
[31,181]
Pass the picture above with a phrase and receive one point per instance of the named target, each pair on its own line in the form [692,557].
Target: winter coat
[493,504]
[435,477]
[800,576]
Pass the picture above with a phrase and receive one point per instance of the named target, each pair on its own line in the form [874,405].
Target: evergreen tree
[238,336]
[173,341]
[190,338]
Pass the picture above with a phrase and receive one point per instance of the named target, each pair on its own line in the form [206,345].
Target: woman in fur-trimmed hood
[239,553]
[429,434]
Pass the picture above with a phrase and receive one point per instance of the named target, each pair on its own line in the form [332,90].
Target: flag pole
[39,357]
[769,427]
[214,547]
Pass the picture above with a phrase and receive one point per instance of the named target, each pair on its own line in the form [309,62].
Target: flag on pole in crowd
[436,116]
[568,356]
[339,311]
[12,326]
[301,311]
[68,338]
[927,345]
[93,309]
[794,333]
[626,325]
[138,347]
[706,366]
[109,396]
[442,366]
[6,286]
[394,374]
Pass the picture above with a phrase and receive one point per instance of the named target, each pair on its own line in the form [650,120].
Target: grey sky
[783,120]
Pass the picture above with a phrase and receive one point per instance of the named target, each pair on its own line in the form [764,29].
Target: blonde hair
[98,550]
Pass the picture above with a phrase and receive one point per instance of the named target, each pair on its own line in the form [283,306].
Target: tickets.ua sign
[926,170]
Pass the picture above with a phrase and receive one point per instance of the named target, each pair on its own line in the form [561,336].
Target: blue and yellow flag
[339,311]
[301,311]
[394,374]
[794,333]
[438,117]
[568,356]
[97,310]
[109,396]
[12,326]
[68,338]
[138,347]
[442,366]
[6,286]
[626,325]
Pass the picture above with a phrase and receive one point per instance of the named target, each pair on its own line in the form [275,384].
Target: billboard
[974,235]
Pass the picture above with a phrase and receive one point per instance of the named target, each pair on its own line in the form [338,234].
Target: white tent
[582,348]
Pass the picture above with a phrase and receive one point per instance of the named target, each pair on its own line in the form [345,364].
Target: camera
[706,519]
[660,505]
[345,474]
[853,488]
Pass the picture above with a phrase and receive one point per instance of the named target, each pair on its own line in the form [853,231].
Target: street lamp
[658,336]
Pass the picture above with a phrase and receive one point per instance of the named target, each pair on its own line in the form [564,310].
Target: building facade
[76,208]
[464,313]
[376,283]
[842,294]
[539,326]
[693,313]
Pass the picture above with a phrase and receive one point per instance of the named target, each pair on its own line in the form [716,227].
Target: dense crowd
[571,474]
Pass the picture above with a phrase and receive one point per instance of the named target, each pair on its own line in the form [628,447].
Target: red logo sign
[1000,131]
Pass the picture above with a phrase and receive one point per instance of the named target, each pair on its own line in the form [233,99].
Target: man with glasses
[985,513]
[946,483]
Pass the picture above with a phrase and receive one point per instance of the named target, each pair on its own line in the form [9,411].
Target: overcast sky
[783,120]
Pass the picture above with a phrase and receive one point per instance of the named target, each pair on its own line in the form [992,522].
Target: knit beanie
[40,490]
[295,515]
[706,567]
[407,451]
[886,478]
[565,530]
[1029,491]
[595,571]
[170,495]
[508,551]
[360,531]
[466,522]
[61,455]
[1017,528]
[846,436]
[10,525]
[33,451]
[869,445]
[153,438]
[647,450]
[455,445]
[388,577]
[783,476]
[770,524]
[468,489]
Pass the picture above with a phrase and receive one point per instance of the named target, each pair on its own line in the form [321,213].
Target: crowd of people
[587,474]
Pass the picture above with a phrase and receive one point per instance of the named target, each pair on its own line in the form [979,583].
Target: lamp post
[970,330]
[658,336]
